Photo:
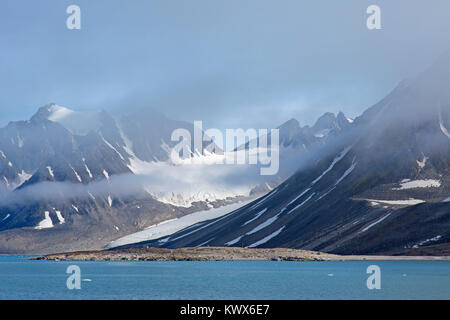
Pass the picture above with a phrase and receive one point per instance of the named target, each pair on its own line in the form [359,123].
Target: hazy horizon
[229,64]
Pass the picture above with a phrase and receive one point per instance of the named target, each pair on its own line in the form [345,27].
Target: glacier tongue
[171,226]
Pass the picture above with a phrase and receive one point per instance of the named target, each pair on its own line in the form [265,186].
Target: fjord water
[26,279]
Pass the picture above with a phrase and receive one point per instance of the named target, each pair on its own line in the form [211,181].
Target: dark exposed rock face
[381,189]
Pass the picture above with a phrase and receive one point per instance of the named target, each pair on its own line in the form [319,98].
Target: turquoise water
[24,279]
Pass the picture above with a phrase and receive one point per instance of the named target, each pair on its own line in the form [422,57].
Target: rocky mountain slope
[381,188]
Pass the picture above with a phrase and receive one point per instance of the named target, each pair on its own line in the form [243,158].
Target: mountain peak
[342,120]
[57,112]
[46,111]
[290,124]
[326,122]
[77,122]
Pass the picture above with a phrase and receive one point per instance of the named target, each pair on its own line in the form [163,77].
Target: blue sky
[250,63]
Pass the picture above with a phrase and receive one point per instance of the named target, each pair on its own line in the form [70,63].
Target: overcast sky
[229,63]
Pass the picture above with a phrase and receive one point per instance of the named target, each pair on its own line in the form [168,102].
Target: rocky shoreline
[219,254]
[192,254]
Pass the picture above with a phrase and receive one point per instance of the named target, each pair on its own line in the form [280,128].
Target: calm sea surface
[25,279]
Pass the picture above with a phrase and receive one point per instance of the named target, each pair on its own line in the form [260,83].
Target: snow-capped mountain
[69,174]
[300,145]
[383,187]
[293,136]
[92,178]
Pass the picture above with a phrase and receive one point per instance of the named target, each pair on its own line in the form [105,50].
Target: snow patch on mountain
[206,242]
[60,217]
[299,196]
[50,171]
[265,198]
[236,240]
[87,169]
[375,223]
[430,183]
[112,147]
[266,239]
[263,225]
[301,204]
[409,202]
[333,163]
[422,163]
[77,122]
[424,242]
[22,177]
[347,172]
[76,174]
[441,124]
[46,223]
[256,216]
[322,133]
